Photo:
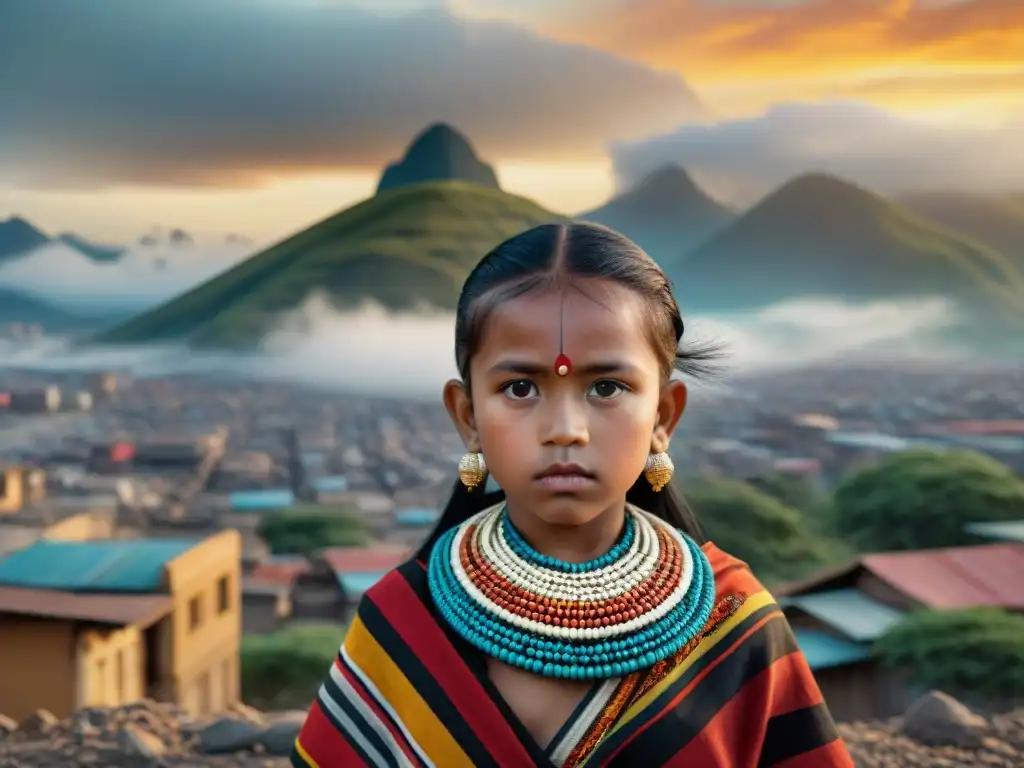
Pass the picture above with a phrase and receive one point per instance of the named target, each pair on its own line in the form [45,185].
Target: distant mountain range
[18,237]
[818,235]
[439,209]
[667,214]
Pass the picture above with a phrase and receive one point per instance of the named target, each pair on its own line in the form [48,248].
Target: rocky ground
[937,732]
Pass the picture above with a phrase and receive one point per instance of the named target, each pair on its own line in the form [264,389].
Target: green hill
[439,153]
[666,214]
[821,236]
[403,249]
[995,220]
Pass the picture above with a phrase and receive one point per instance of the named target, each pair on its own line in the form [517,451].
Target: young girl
[574,618]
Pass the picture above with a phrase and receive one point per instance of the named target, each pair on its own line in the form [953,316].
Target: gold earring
[472,470]
[659,470]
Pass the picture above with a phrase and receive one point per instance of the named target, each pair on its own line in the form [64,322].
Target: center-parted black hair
[539,258]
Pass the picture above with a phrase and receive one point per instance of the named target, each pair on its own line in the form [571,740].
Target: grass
[402,249]
[818,235]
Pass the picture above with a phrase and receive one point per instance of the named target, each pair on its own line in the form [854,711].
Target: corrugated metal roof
[277,498]
[870,440]
[416,516]
[824,651]
[330,483]
[959,577]
[117,610]
[355,584]
[383,558]
[129,565]
[848,611]
[1007,531]
[283,574]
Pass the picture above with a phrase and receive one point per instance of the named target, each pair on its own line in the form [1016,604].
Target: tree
[793,490]
[776,541]
[283,670]
[975,651]
[304,530]
[921,499]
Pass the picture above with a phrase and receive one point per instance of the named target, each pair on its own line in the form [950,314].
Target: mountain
[439,153]
[818,235]
[18,236]
[98,253]
[666,214]
[404,249]
[995,220]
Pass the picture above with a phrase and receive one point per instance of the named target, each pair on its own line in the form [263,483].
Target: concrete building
[103,623]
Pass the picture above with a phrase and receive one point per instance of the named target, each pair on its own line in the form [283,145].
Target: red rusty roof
[279,573]
[958,577]
[115,609]
[376,559]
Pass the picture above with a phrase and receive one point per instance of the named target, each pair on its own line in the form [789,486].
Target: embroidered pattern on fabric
[725,608]
[632,688]
[615,707]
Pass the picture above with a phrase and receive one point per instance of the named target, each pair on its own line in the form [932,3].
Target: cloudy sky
[261,116]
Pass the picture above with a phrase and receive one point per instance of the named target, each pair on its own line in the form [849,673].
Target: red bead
[563,366]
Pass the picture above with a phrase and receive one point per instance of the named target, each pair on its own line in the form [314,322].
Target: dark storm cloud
[224,91]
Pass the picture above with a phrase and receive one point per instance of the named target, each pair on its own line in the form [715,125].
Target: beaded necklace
[637,604]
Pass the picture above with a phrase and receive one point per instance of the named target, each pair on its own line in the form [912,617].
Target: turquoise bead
[564,659]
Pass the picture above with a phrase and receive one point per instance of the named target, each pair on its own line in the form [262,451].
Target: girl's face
[566,449]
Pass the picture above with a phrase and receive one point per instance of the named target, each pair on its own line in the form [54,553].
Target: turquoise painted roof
[262,500]
[356,584]
[124,565]
[414,516]
[848,611]
[1005,531]
[824,651]
[331,483]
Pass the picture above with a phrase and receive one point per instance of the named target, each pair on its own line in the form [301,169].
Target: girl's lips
[567,482]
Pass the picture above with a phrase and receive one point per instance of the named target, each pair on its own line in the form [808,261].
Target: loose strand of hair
[462,504]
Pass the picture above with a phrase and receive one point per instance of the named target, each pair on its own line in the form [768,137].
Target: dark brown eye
[519,390]
[606,389]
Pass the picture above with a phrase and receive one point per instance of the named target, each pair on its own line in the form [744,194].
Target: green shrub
[776,541]
[978,651]
[304,530]
[284,670]
[921,499]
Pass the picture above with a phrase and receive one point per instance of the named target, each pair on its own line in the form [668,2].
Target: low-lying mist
[143,277]
[372,352]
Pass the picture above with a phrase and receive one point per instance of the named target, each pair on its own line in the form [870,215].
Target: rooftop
[379,559]
[116,610]
[824,651]
[261,500]
[130,565]
[848,611]
[954,577]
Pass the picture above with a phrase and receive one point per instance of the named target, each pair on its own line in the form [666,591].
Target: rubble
[936,732]
[149,734]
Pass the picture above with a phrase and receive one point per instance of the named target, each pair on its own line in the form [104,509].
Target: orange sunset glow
[904,54]
[548,92]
